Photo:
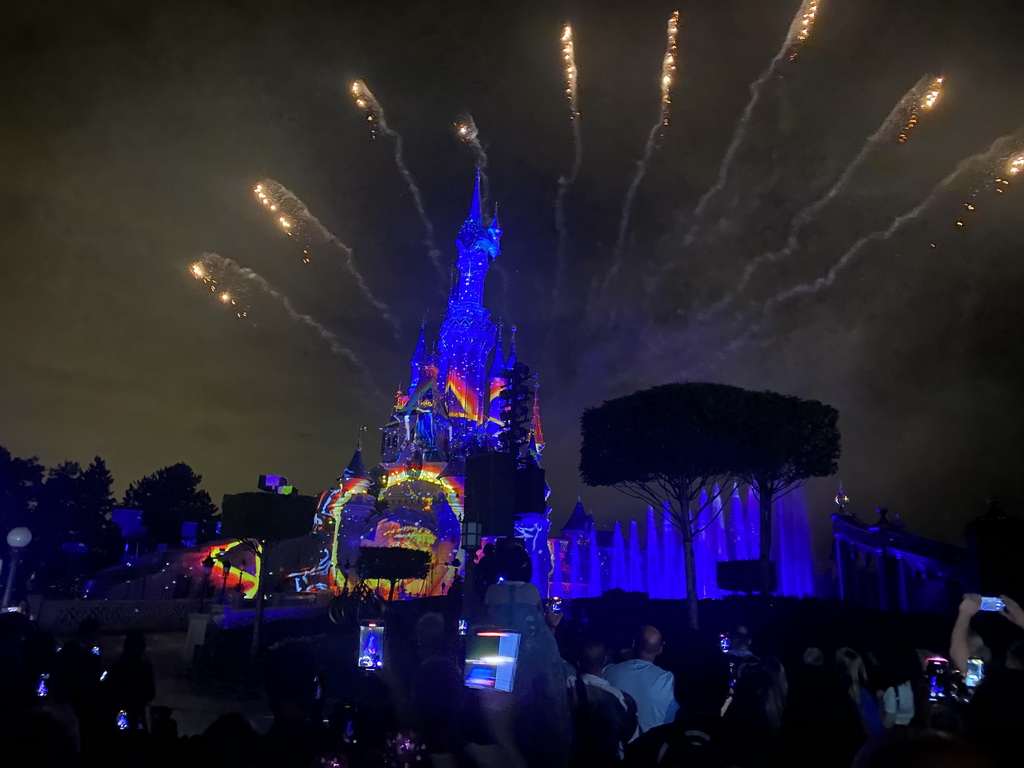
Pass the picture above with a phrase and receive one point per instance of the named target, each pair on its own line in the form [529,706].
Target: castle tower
[467,333]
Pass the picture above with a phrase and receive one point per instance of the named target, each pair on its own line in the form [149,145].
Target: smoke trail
[223,274]
[668,67]
[297,220]
[997,147]
[567,180]
[799,31]
[469,134]
[367,102]
[888,127]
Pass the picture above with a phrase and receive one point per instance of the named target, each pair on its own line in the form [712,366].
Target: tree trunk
[391,592]
[261,580]
[766,495]
[691,576]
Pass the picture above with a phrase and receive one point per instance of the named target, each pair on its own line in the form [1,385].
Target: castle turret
[467,333]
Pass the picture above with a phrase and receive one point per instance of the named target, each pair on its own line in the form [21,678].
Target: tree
[786,441]
[662,446]
[168,498]
[392,564]
[20,482]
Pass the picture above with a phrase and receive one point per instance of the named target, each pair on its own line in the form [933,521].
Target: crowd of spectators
[576,701]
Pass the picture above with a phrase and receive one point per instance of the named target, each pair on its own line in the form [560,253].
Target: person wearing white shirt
[649,685]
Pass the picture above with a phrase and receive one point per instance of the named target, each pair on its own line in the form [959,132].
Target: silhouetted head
[291,682]
[134,645]
[739,638]
[850,666]
[593,656]
[813,657]
[648,643]
[702,684]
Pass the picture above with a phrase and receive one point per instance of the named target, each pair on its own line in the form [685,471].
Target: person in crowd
[533,723]
[650,686]
[129,685]
[925,749]
[76,679]
[606,718]
[851,668]
[294,738]
[993,718]
[694,738]
[961,647]
[821,727]
[897,678]
[739,647]
[753,721]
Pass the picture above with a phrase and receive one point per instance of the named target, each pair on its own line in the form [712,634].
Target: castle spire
[419,356]
[512,359]
[475,213]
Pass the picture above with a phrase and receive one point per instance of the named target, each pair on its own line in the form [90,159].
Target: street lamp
[208,563]
[17,540]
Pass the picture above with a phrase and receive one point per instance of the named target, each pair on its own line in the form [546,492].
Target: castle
[450,410]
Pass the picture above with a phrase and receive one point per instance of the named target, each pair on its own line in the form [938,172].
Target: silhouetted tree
[20,481]
[663,445]
[786,441]
[392,564]
[168,498]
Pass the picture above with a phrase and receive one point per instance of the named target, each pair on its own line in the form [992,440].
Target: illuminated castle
[450,410]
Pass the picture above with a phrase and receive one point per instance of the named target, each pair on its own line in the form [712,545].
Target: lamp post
[226,565]
[17,540]
[470,544]
[208,563]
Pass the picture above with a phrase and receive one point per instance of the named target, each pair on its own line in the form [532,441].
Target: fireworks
[567,180]
[298,222]
[469,135]
[1011,166]
[370,107]
[924,103]
[571,77]
[668,65]
[210,271]
[801,27]
[368,103]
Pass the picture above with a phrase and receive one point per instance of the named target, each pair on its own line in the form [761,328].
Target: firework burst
[924,103]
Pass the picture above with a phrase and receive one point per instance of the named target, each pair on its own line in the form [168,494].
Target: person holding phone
[960,641]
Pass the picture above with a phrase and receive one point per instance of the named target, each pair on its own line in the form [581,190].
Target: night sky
[133,134]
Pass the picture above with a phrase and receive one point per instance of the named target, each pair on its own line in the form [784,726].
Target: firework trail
[997,147]
[296,220]
[228,278]
[469,135]
[368,103]
[922,96]
[567,180]
[1011,166]
[668,67]
[799,31]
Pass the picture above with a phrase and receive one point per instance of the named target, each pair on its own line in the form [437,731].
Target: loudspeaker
[490,495]
[744,576]
[528,488]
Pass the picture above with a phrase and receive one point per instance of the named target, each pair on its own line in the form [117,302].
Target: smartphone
[491,657]
[555,605]
[42,688]
[723,643]
[122,721]
[371,645]
[463,626]
[937,670]
[992,604]
[975,673]
[95,650]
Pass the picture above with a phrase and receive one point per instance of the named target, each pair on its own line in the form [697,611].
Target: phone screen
[371,646]
[555,605]
[975,673]
[491,660]
[937,669]
[992,604]
[723,643]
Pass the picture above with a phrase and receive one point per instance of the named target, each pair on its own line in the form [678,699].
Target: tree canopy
[169,497]
[665,444]
[392,564]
